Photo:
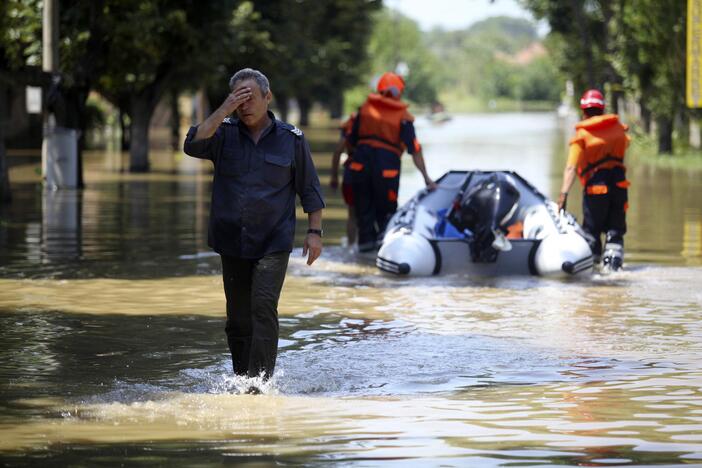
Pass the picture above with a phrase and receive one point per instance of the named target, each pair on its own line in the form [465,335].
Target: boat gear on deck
[431,234]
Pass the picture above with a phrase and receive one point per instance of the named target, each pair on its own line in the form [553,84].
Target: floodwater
[112,349]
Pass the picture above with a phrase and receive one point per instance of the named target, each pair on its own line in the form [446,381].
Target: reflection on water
[61,226]
[692,233]
[113,351]
[498,371]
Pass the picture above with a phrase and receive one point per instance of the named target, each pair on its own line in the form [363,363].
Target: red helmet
[592,98]
[391,83]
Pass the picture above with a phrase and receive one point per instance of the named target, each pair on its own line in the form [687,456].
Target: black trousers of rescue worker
[604,208]
[252,289]
[375,179]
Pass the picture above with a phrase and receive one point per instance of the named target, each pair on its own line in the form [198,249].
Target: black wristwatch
[315,231]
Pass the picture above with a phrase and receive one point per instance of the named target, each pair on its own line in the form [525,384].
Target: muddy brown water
[111,317]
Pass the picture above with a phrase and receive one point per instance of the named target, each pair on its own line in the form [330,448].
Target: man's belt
[382,140]
[590,167]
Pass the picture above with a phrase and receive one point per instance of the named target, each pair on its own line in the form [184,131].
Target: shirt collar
[274,124]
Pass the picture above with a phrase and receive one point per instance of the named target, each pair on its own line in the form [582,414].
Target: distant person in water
[260,165]
[597,156]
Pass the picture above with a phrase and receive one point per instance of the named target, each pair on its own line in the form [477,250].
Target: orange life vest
[379,126]
[602,141]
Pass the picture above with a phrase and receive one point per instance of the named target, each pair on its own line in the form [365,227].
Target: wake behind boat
[483,223]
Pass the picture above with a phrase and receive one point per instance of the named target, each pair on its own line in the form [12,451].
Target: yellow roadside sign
[694,53]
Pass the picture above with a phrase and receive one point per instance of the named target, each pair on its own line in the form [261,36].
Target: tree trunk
[305,107]
[586,42]
[77,98]
[175,121]
[616,97]
[665,135]
[645,117]
[281,102]
[125,136]
[695,136]
[139,129]
[141,108]
[5,194]
[682,123]
[336,106]
[79,155]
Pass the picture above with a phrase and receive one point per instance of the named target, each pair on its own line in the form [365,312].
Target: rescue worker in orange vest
[597,156]
[382,131]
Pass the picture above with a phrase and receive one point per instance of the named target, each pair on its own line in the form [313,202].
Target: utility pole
[50,55]
[59,150]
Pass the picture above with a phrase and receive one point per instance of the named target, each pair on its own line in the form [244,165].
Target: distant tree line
[463,69]
[137,52]
[482,61]
[630,48]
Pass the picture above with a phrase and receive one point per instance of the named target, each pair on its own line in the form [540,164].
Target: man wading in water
[260,164]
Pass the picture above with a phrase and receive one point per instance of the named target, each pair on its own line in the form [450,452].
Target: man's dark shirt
[253,193]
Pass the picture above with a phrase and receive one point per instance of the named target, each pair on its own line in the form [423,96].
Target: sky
[455,14]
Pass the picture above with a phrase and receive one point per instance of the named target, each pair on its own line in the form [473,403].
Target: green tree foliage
[135,51]
[503,33]
[318,49]
[15,29]
[652,57]
[151,46]
[80,51]
[538,81]
[480,61]
[580,37]
[344,29]
[636,46]
[245,42]
[20,26]
[397,39]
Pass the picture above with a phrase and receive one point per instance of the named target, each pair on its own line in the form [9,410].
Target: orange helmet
[391,83]
[592,98]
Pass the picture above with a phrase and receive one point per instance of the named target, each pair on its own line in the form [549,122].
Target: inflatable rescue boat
[483,223]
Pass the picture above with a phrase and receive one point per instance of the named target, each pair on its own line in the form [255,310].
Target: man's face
[254,110]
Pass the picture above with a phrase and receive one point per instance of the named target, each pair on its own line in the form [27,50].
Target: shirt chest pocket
[277,170]
[232,163]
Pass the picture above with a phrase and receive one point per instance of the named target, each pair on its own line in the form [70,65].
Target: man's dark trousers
[605,212]
[252,289]
[375,190]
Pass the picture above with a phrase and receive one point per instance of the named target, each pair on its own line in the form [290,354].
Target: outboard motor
[486,210]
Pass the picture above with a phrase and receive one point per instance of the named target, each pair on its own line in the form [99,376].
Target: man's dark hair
[593,111]
[250,74]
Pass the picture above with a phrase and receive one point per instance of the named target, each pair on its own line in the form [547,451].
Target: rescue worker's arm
[313,242]
[207,128]
[418,160]
[569,173]
[409,138]
[336,157]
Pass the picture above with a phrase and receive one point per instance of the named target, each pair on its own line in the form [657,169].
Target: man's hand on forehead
[242,90]
[236,98]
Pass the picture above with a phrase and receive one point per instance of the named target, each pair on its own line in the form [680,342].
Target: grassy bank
[458,103]
[644,149]
[462,103]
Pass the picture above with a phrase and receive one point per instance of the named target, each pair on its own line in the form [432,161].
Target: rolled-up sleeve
[575,151]
[306,179]
[203,149]
[409,137]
